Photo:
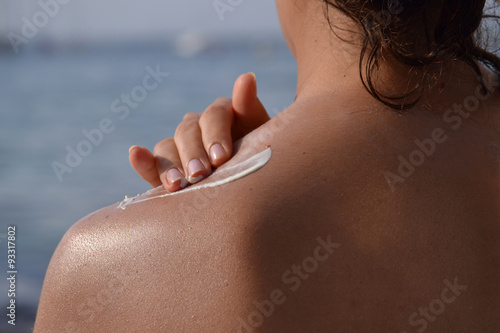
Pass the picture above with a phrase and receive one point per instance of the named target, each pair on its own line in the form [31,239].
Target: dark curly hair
[418,34]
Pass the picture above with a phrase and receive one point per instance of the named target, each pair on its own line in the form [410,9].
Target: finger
[188,139]
[215,124]
[169,166]
[144,164]
[249,111]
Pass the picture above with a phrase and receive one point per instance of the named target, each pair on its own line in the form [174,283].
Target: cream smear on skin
[220,177]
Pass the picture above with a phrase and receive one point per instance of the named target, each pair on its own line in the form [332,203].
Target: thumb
[249,111]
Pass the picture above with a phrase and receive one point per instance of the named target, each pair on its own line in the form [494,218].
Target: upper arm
[152,267]
[196,262]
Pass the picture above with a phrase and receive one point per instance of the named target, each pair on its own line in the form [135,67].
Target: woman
[365,219]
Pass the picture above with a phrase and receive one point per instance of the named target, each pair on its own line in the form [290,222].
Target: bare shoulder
[220,259]
[185,263]
[315,241]
[162,266]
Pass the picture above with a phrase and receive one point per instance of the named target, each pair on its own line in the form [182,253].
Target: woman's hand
[202,140]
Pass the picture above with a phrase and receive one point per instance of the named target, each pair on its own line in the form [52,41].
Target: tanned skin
[418,254]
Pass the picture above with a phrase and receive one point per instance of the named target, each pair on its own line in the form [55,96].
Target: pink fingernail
[216,152]
[173,176]
[195,167]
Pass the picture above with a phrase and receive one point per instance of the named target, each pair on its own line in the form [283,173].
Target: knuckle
[190,116]
[222,101]
[211,110]
[187,123]
[221,105]
[162,145]
[182,128]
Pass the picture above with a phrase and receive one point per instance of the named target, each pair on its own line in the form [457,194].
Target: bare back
[362,221]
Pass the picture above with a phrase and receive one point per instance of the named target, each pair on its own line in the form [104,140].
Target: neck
[328,63]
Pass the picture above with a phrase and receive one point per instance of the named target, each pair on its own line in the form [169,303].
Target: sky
[140,19]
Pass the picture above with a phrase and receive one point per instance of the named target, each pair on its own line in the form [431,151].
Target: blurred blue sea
[49,95]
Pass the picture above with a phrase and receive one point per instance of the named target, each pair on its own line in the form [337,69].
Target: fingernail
[194,168]
[216,152]
[173,176]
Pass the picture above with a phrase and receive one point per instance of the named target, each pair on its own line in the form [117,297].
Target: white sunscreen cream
[219,177]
